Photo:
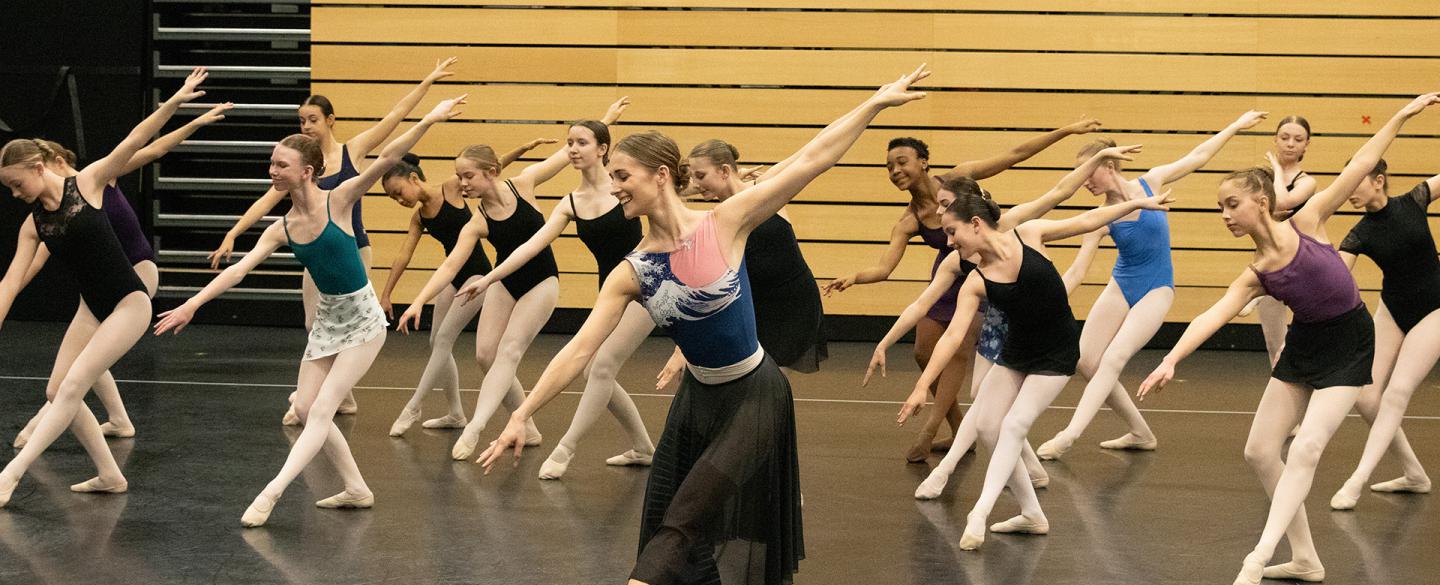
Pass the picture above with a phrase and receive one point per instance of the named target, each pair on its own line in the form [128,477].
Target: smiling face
[712,181]
[584,149]
[906,168]
[288,171]
[1242,209]
[314,123]
[638,188]
[1291,140]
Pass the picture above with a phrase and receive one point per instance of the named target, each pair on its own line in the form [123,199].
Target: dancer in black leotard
[115,308]
[609,235]
[1395,233]
[908,164]
[1041,348]
[514,312]
[137,250]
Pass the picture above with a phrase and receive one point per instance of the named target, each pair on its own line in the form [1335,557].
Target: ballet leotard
[347,172]
[127,226]
[1043,337]
[445,227]
[944,308]
[789,317]
[512,232]
[608,237]
[82,239]
[1144,245]
[1397,237]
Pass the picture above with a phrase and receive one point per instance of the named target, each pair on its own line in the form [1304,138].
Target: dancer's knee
[1261,454]
[1305,449]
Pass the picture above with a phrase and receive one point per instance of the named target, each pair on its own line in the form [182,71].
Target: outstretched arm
[1075,274]
[166,143]
[900,235]
[180,316]
[986,168]
[1064,189]
[1311,218]
[559,218]
[362,144]
[42,255]
[466,244]
[944,277]
[966,304]
[536,174]
[401,262]
[1051,230]
[519,151]
[355,187]
[16,277]
[756,204]
[1169,173]
[256,212]
[101,172]
[619,289]
[1241,291]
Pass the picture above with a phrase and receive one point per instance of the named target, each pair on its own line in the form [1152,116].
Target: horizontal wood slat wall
[767,74]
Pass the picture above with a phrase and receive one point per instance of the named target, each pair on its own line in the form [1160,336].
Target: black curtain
[76,72]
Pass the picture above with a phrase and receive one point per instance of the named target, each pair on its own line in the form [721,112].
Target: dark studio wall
[72,71]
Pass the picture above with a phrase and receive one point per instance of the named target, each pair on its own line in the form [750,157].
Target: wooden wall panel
[767,74]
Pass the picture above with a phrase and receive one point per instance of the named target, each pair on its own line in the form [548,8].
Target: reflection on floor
[208,405]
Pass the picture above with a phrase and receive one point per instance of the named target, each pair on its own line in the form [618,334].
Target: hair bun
[411,158]
[682,176]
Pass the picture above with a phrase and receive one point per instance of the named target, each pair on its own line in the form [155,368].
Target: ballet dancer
[725,489]
[441,211]
[1395,233]
[993,329]
[908,164]
[1133,305]
[609,235]
[789,316]
[68,218]
[1329,350]
[347,159]
[1041,347]
[1293,187]
[349,326]
[137,248]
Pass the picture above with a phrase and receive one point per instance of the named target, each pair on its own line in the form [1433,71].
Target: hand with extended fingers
[877,360]
[512,439]
[616,109]
[1161,203]
[898,92]
[442,70]
[839,285]
[1125,153]
[1156,381]
[1419,104]
[1251,118]
[189,90]
[473,290]
[446,110]
[1084,126]
[912,405]
[410,319]
[213,115]
[175,319]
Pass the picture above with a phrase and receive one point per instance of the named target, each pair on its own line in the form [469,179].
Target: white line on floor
[653,395]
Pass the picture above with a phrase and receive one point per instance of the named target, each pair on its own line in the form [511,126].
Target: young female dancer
[442,212]
[993,330]
[1329,350]
[609,235]
[1293,187]
[513,312]
[789,317]
[1041,347]
[114,310]
[1141,289]
[133,242]
[724,495]
[349,326]
[1395,233]
[317,120]
[908,163]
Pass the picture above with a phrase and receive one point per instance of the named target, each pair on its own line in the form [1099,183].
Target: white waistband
[728,373]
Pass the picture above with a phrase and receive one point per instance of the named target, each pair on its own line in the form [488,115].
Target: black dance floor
[208,406]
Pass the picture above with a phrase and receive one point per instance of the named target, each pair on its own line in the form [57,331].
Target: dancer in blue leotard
[1142,287]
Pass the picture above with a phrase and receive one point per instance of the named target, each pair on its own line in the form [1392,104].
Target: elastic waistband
[368,288]
[728,373]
